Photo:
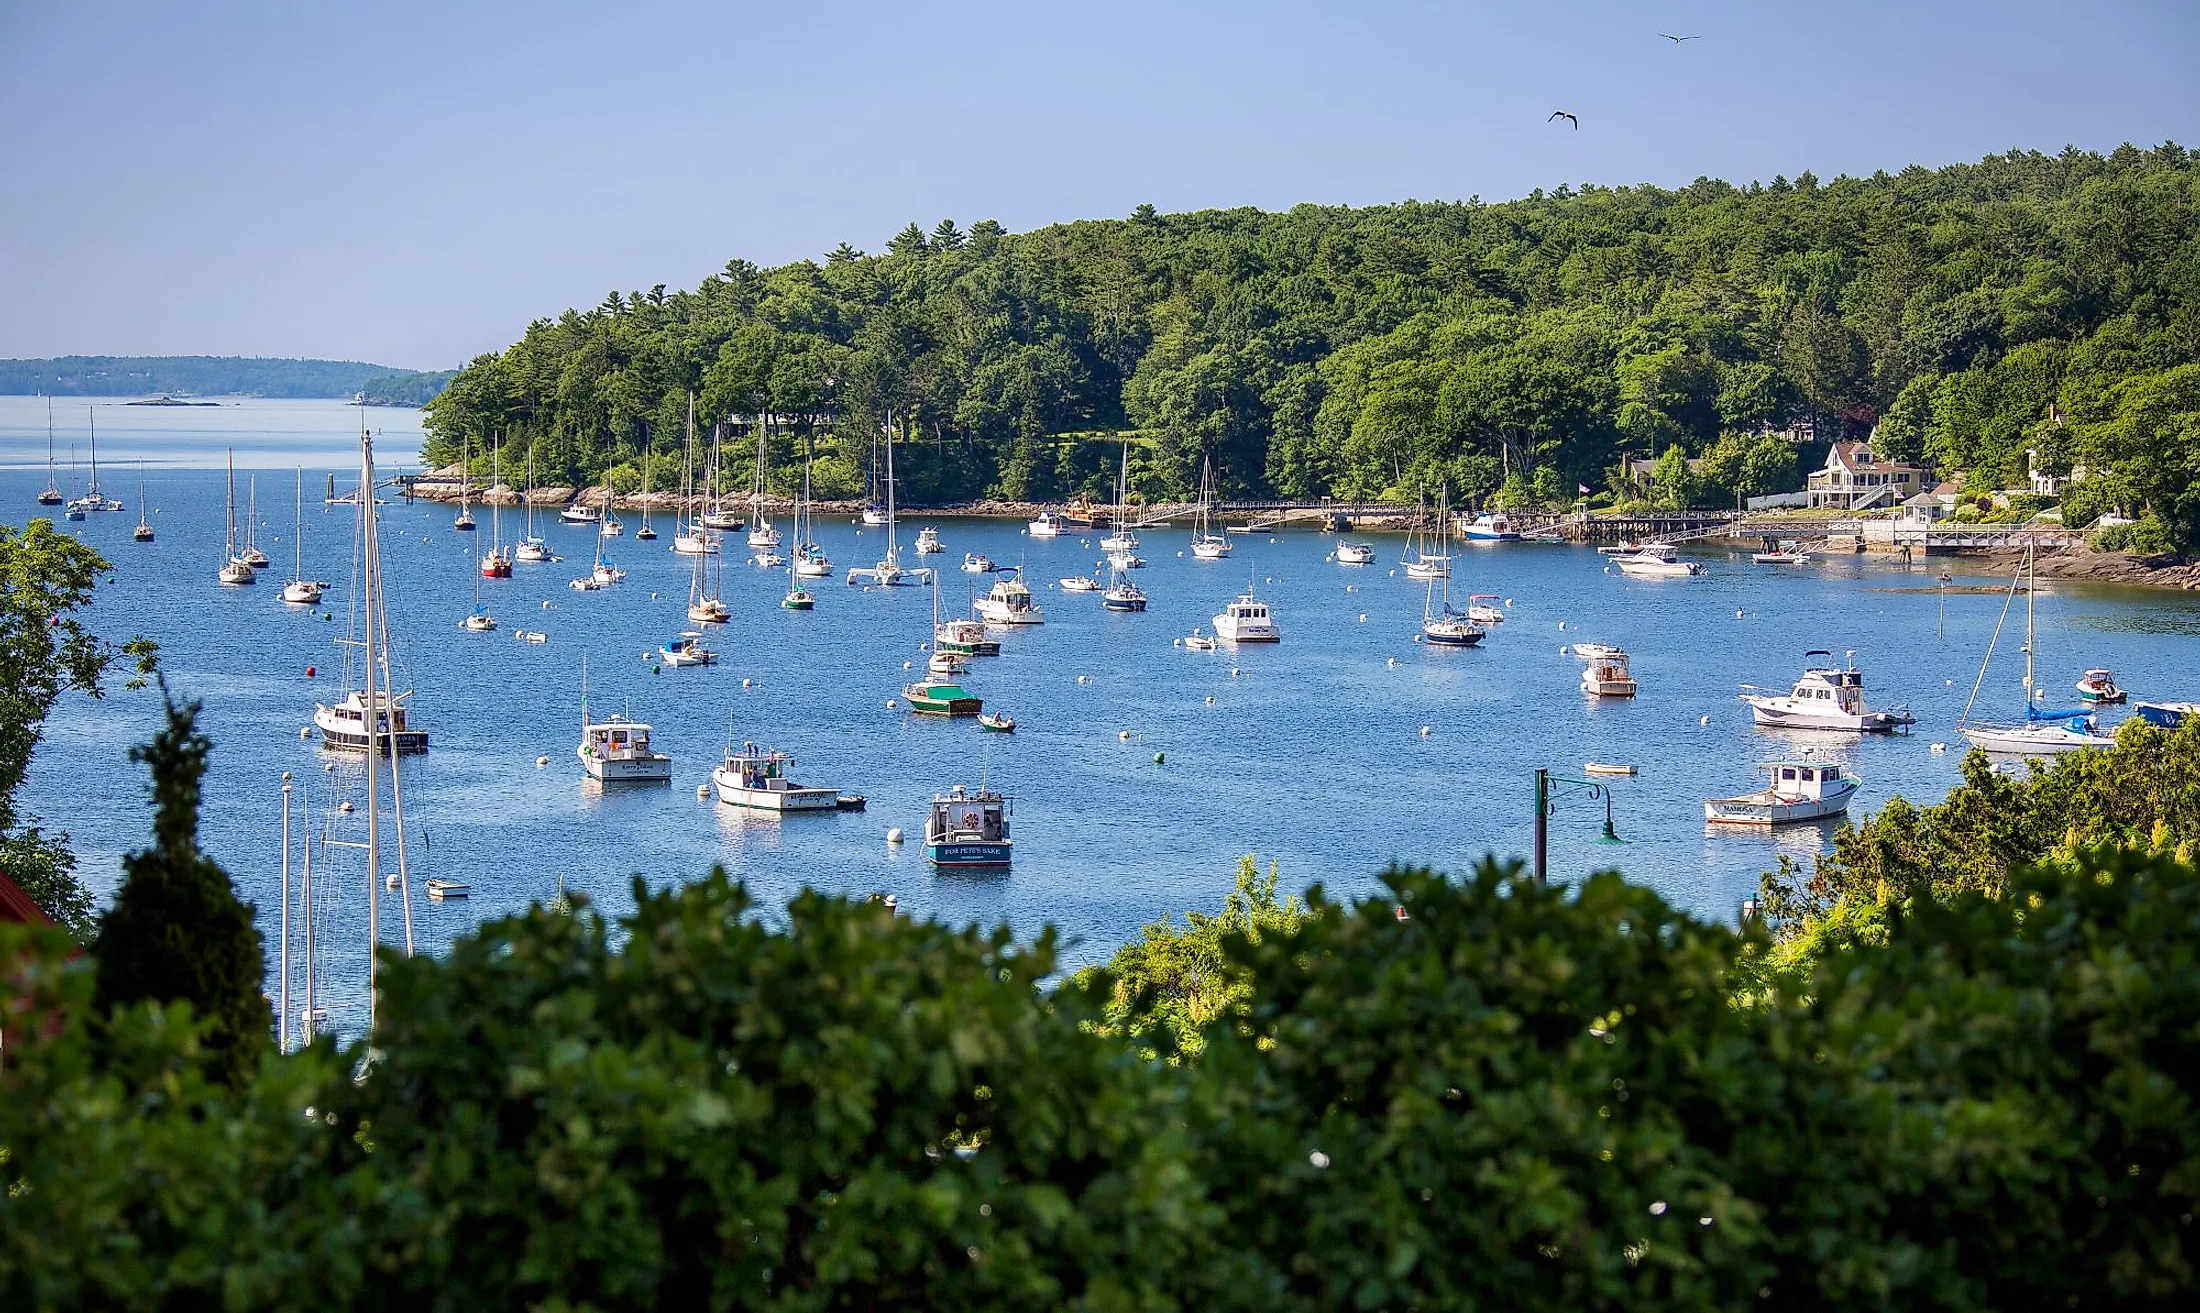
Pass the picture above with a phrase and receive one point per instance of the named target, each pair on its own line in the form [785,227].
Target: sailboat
[1207,545]
[810,560]
[372,721]
[479,621]
[609,525]
[465,521]
[938,694]
[1419,561]
[1122,544]
[705,607]
[234,570]
[873,514]
[252,555]
[888,572]
[144,531]
[798,598]
[52,495]
[91,500]
[717,516]
[649,450]
[74,510]
[2043,732]
[603,574]
[1443,626]
[689,536]
[301,591]
[763,537]
[498,563]
[532,547]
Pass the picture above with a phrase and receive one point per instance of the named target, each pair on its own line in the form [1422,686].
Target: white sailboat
[92,500]
[1419,561]
[649,452]
[810,560]
[234,570]
[532,548]
[716,516]
[465,521]
[689,537]
[2042,732]
[252,555]
[888,572]
[762,536]
[144,531]
[301,591]
[1207,545]
[52,495]
[705,606]
[1121,543]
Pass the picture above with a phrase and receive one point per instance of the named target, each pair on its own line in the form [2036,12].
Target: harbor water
[1141,771]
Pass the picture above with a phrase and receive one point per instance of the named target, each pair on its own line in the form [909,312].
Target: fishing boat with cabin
[1804,790]
[1827,697]
[758,780]
[968,830]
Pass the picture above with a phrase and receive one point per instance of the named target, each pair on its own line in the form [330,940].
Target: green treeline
[219,376]
[1510,350]
[1511,1096]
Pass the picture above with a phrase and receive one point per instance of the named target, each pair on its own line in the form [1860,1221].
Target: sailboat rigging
[234,568]
[52,495]
[301,591]
[2043,731]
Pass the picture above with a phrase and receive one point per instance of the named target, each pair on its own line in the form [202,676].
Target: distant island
[177,380]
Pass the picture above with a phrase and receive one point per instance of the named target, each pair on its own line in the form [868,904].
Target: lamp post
[1547,787]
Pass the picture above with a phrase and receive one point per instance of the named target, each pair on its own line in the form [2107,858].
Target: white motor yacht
[1010,603]
[617,751]
[1047,525]
[1657,561]
[757,779]
[977,563]
[1247,620]
[1489,527]
[1826,697]
[345,724]
[687,650]
[1080,583]
[1607,676]
[1354,554]
[1799,791]
[928,542]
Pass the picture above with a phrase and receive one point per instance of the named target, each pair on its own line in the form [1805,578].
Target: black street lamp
[1547,787]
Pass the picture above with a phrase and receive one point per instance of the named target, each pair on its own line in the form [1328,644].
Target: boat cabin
[1841,686]
[618,749]
[968,829]
[1807,779]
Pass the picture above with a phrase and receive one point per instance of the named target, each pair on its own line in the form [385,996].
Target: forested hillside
[218,376]
[1510,350]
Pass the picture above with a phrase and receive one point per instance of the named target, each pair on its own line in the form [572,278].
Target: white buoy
[1508,601]
[546,606]
[653,597]
[1561,624]
[894,835]
[702,792]
[305,731]
[1392,661]
[1940,747]
[750,683]
[1562,649]
[1176,642]
[1737,613]
[1703,720]
[1424,731]
[1210,699]
[390,881]
[1363,617]
[1233,672]
[1416,638]
[889,704]
[344,806]
[1084,679]
[542,761]
[1123,734]
[905,665]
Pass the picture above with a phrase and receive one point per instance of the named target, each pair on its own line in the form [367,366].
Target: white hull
[1048,531]
[1210,549]
[302,592]
[657,770]
[792,798]
[997,614]
[2035,740]
[1355,554]
[1766,808]
[818,568]
[694,544]
[1429,568]
[1656,569]
[536,552]
[1786,713]
[765,536]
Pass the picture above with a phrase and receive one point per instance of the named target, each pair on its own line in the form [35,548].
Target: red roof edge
[15,905]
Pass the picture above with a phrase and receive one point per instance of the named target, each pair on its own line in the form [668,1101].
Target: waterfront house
[1855,479]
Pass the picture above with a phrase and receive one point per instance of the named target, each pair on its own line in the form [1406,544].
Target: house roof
[1845,455]
[15,905]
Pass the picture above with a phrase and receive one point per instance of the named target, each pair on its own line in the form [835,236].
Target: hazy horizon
[411,186]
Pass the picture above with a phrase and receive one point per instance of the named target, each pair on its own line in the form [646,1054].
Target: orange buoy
[309,672]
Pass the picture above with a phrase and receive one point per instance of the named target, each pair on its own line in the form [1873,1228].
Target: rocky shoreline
[2082,564]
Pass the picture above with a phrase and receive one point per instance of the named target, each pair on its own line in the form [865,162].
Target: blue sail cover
[2075,713]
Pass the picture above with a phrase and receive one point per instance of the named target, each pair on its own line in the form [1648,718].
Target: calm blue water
[1309,752]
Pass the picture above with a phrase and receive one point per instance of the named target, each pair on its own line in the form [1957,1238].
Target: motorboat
[1081,583]
[345,724]
[580,513]
[945,663]
[1483,608]
[767,559]
[1597,651]
[1199,642]
[585,584]
[2166,715]
[1123,595]
[1247,620]
[1607,677]
[931,696]
[1047,525]
[1826,696]
[2042,732]
[1624,547]
[977,563]
[1489,527]
[997,722]
[1010,603]
[966,638]
[1125,559]
[687,650]
[617,751]
[928,542]
[1606,768]
[1354,554]
[1781,552]
[968,830]
[1657,561]
[1805,790]
[440,889]
[2099,687]
[758,780]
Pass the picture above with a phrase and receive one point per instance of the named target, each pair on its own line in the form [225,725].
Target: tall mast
[52,483]
[297,538]
[496,509]
[367,550]
[93,421]
[687,473]
[2031,586]
[232,510]
[892,554]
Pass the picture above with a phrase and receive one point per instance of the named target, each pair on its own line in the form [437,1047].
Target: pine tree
[177,931]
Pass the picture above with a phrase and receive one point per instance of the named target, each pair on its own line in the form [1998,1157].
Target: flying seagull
[1574,119]
[1676,40]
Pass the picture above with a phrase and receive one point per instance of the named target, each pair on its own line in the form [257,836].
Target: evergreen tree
[177,931]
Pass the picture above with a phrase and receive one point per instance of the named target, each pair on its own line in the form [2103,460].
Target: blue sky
[410,183]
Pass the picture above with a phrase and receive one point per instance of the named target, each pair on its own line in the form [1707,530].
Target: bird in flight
[1574,119]
[1676,40]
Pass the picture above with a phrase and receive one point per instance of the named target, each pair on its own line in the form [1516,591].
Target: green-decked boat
[941,697]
